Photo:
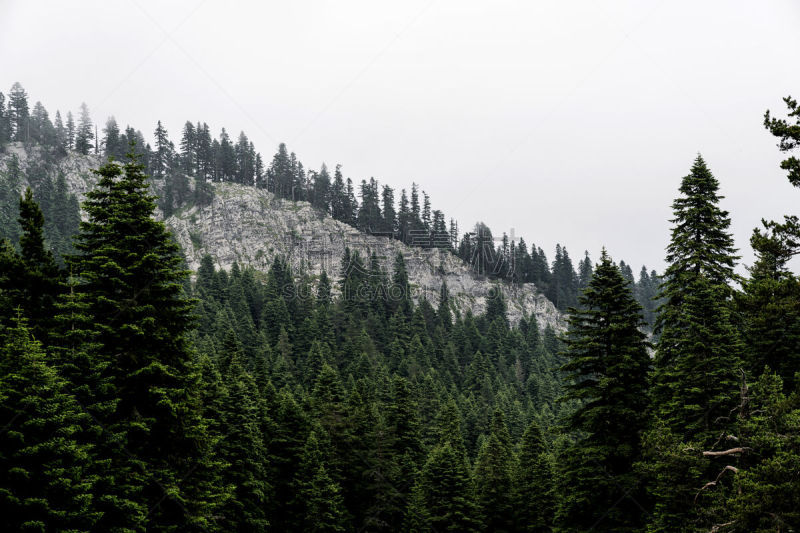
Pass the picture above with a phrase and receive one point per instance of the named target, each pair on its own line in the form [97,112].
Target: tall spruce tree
[85,132]
[697,359]
[45,481]
[493,479]
[444,493]
[533,488]
[41,274]
[606,372]
[243,449]
[18,112]
[130,270]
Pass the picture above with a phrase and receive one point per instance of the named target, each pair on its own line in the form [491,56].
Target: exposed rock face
[76,168]
[251,226]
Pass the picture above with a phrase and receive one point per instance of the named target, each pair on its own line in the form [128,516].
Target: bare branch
[714,483]
[717,527]
[726,452]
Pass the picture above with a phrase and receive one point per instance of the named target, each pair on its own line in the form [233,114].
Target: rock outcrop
[251,226]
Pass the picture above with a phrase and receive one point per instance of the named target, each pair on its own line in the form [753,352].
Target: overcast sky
[568,122]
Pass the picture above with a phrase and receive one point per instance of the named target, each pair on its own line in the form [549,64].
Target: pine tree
[584,271]
[45,484]
[18,112]
[5,123]
[400,288]
[324,507]
[338,196]
[31,278]
[389,225]
[286,452]
[322,190]
[697,356]
[768,307]
[243,448]
[606,371]
[161,155]
[329,410]
[70,131]
[533,488]
[443,312]
[111,140]
[41,129]
[766,490]
[496,307]
[60,130]
[493,479]
[130,271]
[789,137]
[444,494]
[85,132]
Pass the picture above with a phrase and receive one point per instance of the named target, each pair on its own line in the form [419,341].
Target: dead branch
[716,527]
[714,483]
[730,451]
[721,436]
[744,393]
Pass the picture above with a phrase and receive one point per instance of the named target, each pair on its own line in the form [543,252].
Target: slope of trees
[184,173]
[134,400]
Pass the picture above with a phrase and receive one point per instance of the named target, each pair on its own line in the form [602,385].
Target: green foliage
[272,404]
[697,356]
[493,480]
[606,372]
[130,272]
[768,307]
[445,492]
[242,447]
[789,135]
[533,489]
[45,479]
[766,495]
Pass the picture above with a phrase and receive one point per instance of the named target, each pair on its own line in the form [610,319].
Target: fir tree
[45,483]
[85,132]
[789,137]
[697,356]
[765,495]
[493,479]
[61,132]
[31,278]
[111,140]
[324,506]
[130,272]
[607,367]
[768,307]
[444,494]
[5,123]
[18,112]
[70,131]
[533,488]
[243,448]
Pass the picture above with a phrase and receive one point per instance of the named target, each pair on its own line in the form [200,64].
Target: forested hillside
[140,396]
[186,176]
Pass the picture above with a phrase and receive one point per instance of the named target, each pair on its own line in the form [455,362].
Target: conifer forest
[146,384]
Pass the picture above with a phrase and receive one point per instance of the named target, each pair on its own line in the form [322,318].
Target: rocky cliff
[251,226]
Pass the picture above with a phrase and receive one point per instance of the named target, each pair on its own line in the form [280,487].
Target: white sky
[569,122]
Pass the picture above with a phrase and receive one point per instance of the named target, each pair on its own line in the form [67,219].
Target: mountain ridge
[251,226]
